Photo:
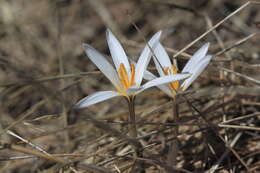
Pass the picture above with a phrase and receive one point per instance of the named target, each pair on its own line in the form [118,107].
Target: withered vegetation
[44,72]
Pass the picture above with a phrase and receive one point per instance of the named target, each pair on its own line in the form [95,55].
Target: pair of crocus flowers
[127,77]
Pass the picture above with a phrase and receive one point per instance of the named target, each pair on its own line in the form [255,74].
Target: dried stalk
[137,165]
[173,151]
[131,118]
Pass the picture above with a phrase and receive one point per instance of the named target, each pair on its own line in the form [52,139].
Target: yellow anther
[166,70]
[170,71]
[174,69]
[123,76]
[174,85]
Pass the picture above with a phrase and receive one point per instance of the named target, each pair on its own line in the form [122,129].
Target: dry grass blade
[216,165]
[239,127]
[212,29]
[51,78]
[217,133]
[241,41]
[112,131]
[242,76]
[23,116]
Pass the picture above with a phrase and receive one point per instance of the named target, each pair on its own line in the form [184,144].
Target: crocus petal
[149,76]
[96,98]
[103,65]
[145,57]
[165,88]
[133,90]
[162,56]
[117,52]
[163,80]
[161,59]
[158,67]
[196,58]
[196,72]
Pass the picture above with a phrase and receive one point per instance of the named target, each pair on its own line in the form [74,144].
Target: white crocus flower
[195,66]
[125,77]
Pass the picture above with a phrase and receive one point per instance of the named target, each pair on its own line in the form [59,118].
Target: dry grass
[44,72]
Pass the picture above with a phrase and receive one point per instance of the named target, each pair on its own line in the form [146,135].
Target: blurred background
[44,72]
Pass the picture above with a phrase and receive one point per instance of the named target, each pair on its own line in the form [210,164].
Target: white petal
[162,56]
[103,65]
[196,58]
[96,98]
[158,67]
[161,59]
[165,88]
[145,57]
[196,72]
[117,52]
[149,76]
[163,80]
[133,90]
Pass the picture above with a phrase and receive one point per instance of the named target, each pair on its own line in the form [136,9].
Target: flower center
[123,76]
[174,86]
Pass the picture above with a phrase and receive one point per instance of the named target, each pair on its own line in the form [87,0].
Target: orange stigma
[132,81]
[123,76]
